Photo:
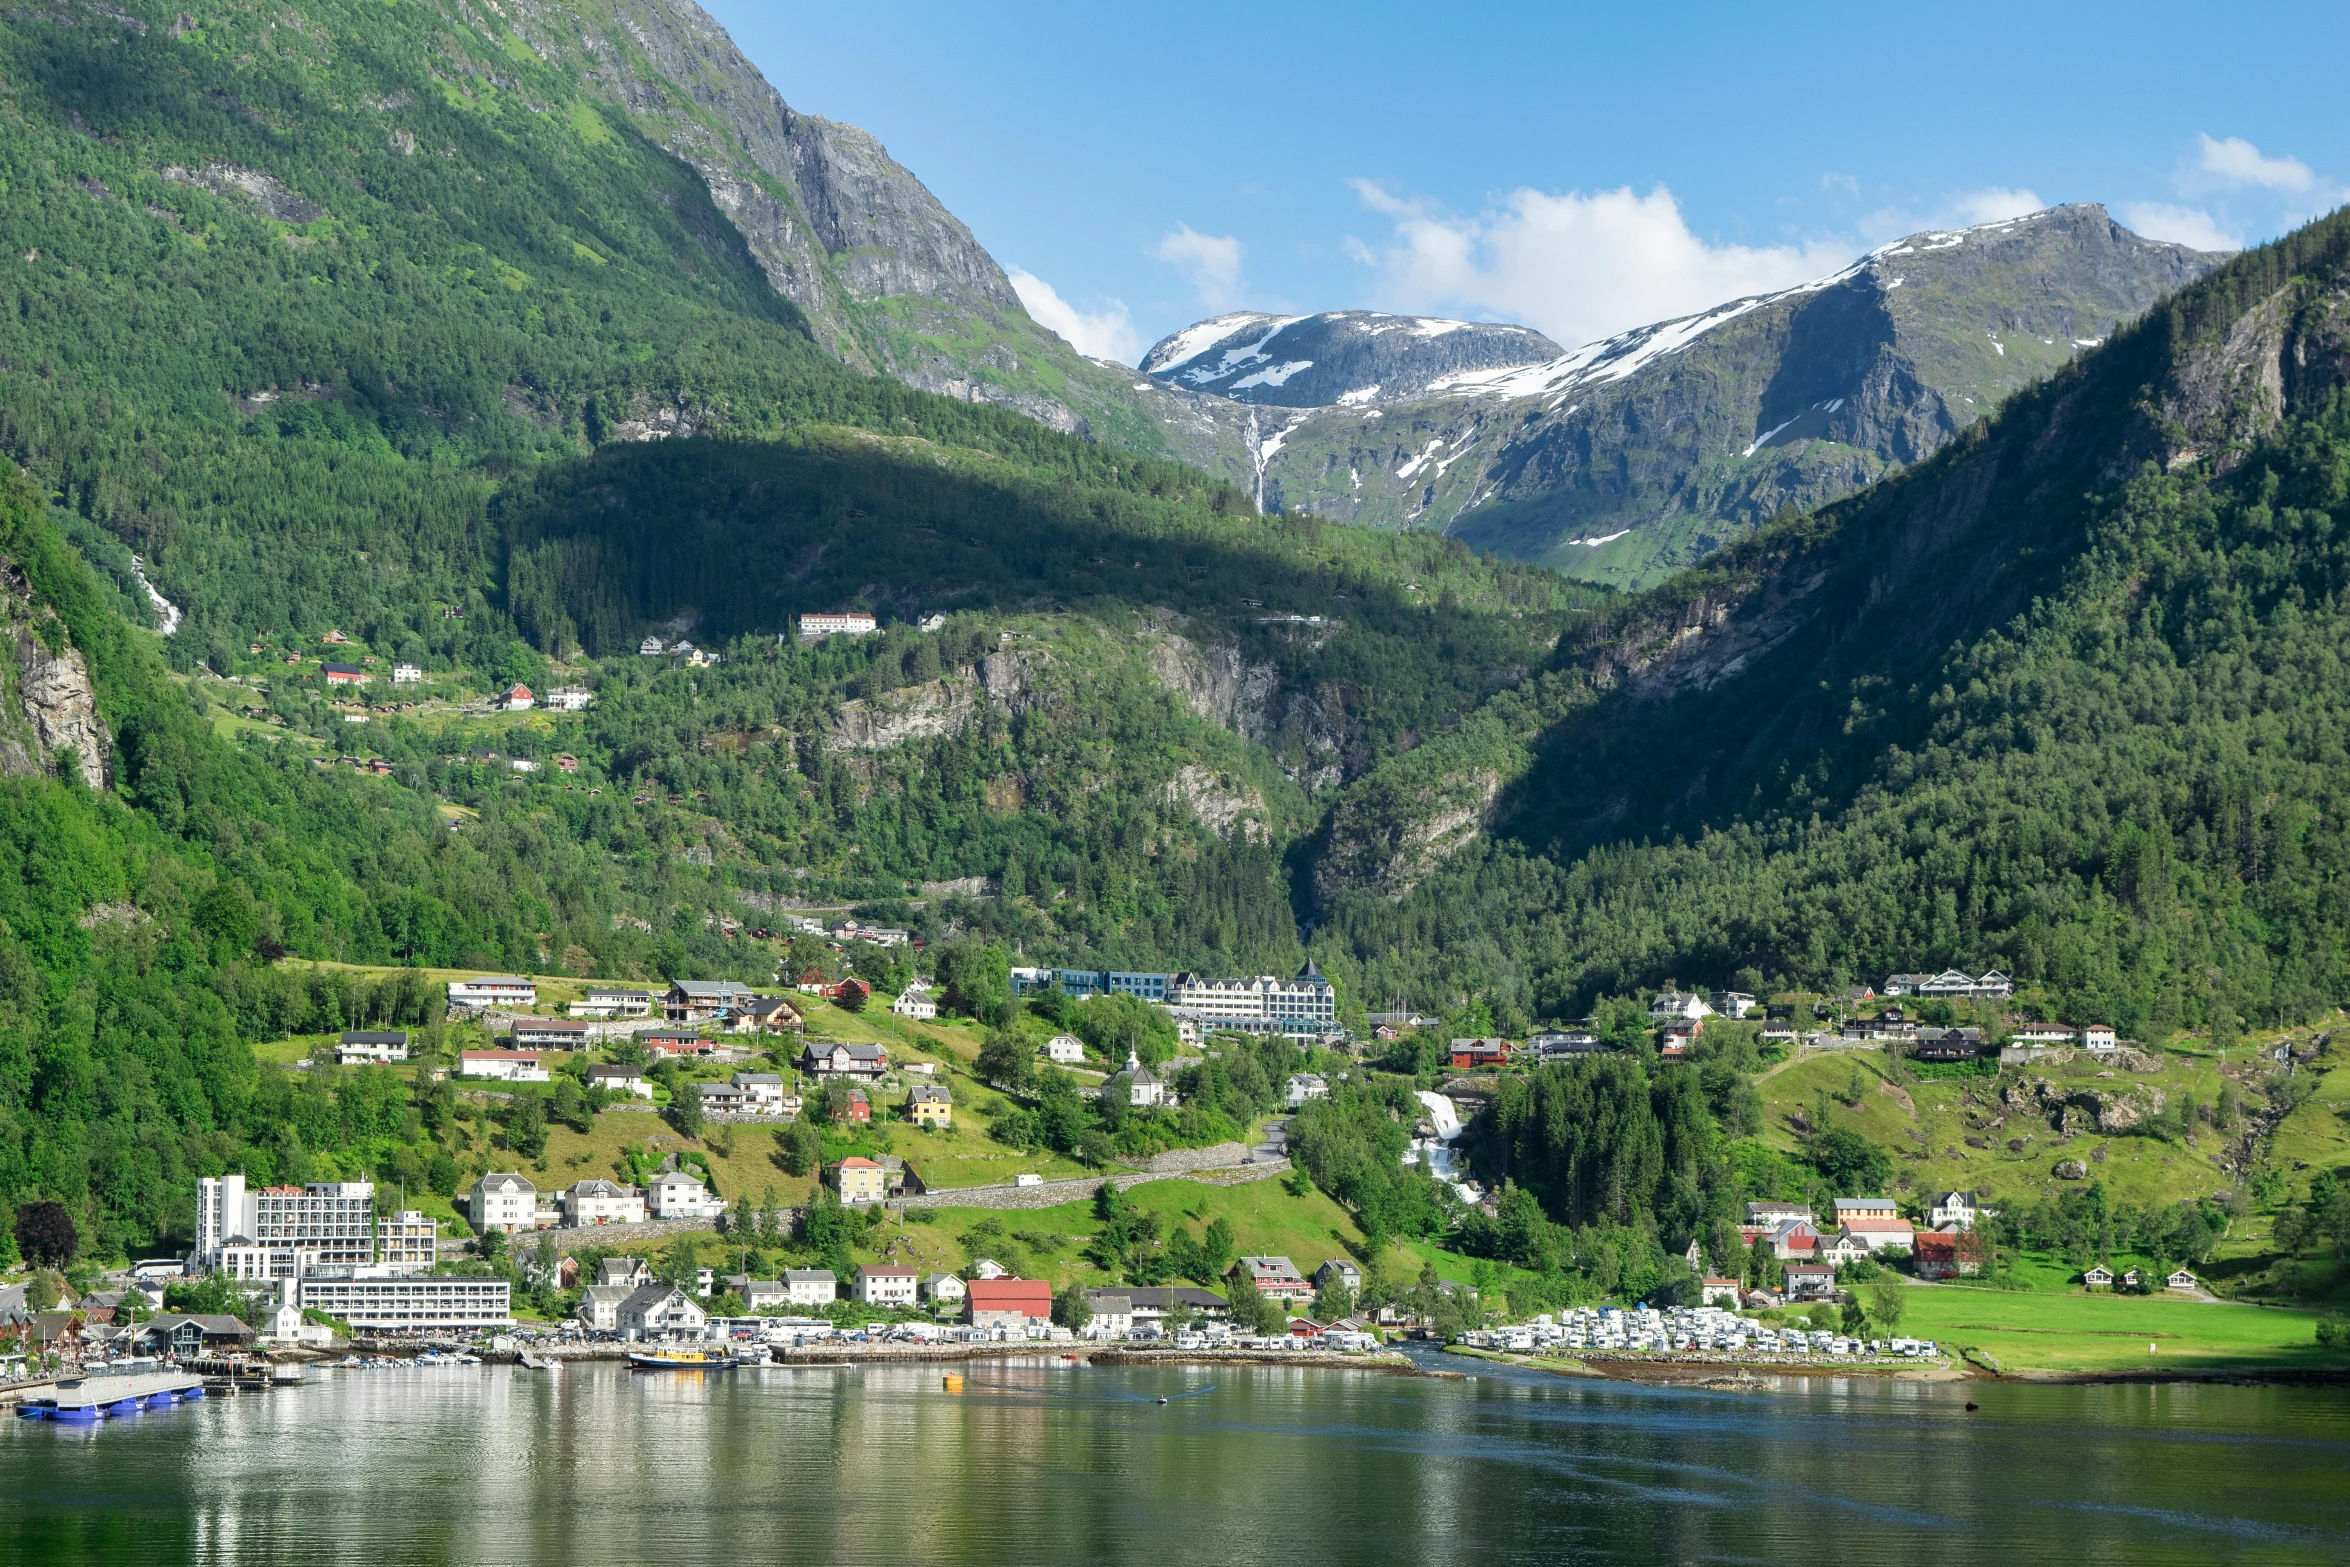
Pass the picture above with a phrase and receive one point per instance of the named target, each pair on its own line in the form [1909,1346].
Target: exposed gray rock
[1219,803]
[265,191]
[53,704]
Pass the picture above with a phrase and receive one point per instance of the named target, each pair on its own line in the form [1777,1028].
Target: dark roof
[1162,1297]
[362,1036]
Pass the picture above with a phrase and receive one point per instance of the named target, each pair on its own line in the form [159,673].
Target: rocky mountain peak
[1338,358]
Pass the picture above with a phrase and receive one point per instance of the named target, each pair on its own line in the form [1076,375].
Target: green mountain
[2061,699]
[370,333]
[1623,461]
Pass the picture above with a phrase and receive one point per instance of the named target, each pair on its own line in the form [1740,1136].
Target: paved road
[1276,1143]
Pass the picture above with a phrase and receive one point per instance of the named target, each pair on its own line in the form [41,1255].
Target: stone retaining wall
[1051,1194]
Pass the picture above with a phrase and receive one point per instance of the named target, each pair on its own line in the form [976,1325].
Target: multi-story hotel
[372,1299]
[279,1231]
[1302,1008]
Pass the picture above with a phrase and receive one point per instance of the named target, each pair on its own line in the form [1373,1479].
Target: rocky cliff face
[1626,460]
[1340,358]
[47,704]
[888,279]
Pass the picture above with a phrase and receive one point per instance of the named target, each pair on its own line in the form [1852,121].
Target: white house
[621,1079]
[506,1203]
[943,1289]
[673,1194]
[650,647]
[599,1306]
[762,1091]
[569,699]
[811,1286]
[364,1045]
[2098,1036]
[509,1066]
[1064,1050]
[493,990]
[886,1284]
[1954,1211]
[407,674]
[915,1002]
[600,1002]
[602,1202]
[1304,1086]
[1678,1006]
[759,1294]
[661,1311]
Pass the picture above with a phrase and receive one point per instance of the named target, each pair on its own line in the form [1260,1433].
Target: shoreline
[1743,1374]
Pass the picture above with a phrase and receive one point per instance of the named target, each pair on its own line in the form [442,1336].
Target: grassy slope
[1929,1145]
[2108,1333]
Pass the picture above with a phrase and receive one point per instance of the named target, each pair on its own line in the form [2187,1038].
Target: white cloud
[1107,333]
[1577,266]
[2190,226]
[1209,263]
[2235,163]
[1993,204]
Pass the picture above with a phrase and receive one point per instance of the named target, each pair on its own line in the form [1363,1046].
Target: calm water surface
[1040,1462]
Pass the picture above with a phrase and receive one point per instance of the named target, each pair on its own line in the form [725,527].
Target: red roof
[499,1055]
[1933,1244]
[1031,1296]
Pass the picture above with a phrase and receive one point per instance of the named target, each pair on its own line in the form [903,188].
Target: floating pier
[93,1399]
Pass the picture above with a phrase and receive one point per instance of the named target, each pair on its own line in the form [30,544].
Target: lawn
[2053,1332]
[1048,1243]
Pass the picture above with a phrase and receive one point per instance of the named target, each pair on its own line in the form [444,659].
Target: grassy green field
[2045,1331]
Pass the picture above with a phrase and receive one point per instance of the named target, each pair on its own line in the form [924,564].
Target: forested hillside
[350,326]
[2066,700]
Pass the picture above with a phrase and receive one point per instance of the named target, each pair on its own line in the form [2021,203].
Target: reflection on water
[1045,1461]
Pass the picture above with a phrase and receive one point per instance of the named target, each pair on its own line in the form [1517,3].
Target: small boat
[466,1360]
[681,1360]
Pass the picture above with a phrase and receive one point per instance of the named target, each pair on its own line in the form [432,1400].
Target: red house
[1008,1303]
[852,993]
[346,675]
[1471,1053]
[859,1108]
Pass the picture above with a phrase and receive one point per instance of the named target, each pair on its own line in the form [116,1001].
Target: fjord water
[1045,1462]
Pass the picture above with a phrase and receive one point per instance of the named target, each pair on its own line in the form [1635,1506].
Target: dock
[92,1399]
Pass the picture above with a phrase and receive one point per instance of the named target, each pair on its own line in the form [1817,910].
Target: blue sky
[1581,169]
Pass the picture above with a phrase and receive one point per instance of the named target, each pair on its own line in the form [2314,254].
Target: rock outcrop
[50,707]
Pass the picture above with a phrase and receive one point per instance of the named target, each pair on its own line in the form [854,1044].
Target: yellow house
[860,1180]
[930,1105]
